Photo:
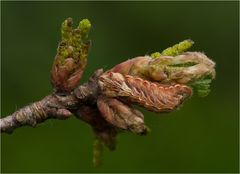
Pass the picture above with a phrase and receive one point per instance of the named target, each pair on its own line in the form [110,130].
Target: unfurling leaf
[178,48]
[175,49]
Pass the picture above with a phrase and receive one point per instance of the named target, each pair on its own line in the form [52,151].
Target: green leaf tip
[178,48]
[66,29]
[84,26]
[155,55]
[74,42]
[202,86]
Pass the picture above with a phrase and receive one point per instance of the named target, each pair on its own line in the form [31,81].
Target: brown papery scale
[153,96]
[121,115]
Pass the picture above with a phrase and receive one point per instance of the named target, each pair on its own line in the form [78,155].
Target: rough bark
[53,106]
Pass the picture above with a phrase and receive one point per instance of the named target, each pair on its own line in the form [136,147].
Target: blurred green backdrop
[200,137]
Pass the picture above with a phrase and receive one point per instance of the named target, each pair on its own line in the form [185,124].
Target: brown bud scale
[121,115]
[103,130]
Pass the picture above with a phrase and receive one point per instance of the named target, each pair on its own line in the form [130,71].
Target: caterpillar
[153,96]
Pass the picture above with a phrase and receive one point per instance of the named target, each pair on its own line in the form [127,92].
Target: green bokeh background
[200,137]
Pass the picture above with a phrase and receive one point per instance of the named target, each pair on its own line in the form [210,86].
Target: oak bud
[71,57]
[121,115]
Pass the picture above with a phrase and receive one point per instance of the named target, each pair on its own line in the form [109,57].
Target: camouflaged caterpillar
[152,96]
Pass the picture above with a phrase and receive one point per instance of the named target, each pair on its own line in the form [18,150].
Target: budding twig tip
[71,57]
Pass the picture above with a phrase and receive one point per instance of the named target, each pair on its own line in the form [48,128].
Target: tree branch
[53,106]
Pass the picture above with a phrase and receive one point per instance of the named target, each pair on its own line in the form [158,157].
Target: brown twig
[53,106]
